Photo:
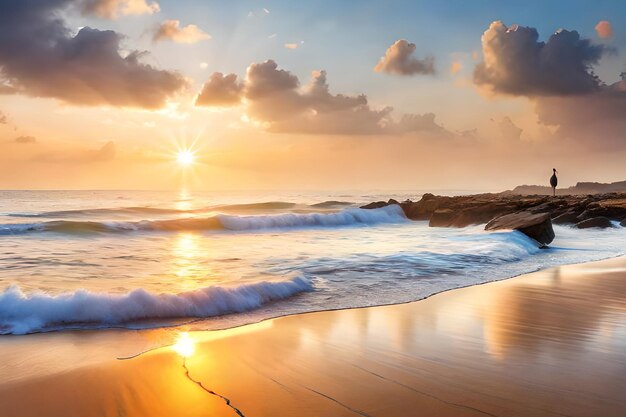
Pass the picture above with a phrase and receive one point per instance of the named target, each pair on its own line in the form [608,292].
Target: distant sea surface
[136,259]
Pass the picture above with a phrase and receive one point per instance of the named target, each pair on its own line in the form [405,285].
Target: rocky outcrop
[581,188]
[536,226]
[567,217]
[461,211]
[600,222]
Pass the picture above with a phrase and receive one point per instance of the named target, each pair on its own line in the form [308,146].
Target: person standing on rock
[554,181]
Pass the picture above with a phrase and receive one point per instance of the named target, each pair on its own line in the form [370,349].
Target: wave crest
[347,217]
[21,313]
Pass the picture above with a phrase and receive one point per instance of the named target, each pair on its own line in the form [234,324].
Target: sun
[185,157]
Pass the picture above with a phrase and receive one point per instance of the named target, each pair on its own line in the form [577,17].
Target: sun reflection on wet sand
[184,345]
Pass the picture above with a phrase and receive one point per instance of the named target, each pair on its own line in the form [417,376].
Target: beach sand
[550,343]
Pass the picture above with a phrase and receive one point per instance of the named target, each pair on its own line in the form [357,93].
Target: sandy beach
[547,343]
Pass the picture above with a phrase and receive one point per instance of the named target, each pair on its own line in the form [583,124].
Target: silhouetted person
[554,181]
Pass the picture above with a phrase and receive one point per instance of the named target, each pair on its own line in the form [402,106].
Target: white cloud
[171,30]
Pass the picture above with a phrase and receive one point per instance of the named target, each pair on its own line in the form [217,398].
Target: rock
[442,218]
[375,205]
[423,209]
[623,223]
[536,226]
[567,217]
[601,222]
[461,211]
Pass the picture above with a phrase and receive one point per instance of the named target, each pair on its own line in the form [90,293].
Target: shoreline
[191,322]
[105,343]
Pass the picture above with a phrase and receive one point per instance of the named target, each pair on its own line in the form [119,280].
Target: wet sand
[550,343]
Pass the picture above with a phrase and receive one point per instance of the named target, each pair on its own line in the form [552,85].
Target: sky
[324,95]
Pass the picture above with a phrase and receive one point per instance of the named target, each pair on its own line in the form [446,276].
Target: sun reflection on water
[187,261]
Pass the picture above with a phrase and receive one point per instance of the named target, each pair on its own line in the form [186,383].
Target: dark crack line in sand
[199,383]
[347,407]
[429,374]
[264,375]
[467,407]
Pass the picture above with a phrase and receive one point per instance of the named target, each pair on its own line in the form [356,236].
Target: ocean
[141,259]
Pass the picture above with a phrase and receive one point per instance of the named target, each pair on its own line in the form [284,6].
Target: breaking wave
[22,313]
[139,210]
[347,217]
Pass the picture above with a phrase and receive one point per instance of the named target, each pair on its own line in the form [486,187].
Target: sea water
[136,259]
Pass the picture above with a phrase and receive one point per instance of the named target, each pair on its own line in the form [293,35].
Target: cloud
[291,45]
[111,9]
[604,29]
[515,62]
[220,91]
[275,100]
[25,139]
[398,60]
[558,78]
[424,123]
[273,97]
[103,154]
[172,31]
[595,120]
[85,69]
[265,79]
[3,118]
[509,130]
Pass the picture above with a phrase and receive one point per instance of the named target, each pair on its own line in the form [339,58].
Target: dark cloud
[273,96]
[399,60]
[515,62]
[40,57]
[265,79]
[558,77]
[25,139]
[220,91]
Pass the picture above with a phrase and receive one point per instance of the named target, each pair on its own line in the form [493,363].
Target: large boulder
[536,226]
[600,222]
[567,217]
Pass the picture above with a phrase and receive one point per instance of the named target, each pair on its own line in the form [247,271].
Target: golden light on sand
[185,157]
[184,345]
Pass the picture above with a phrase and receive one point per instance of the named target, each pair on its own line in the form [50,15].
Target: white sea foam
[347,217]
[21,313]
[343,218]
